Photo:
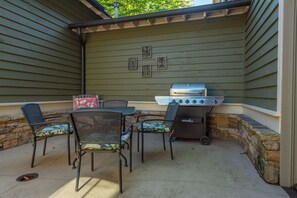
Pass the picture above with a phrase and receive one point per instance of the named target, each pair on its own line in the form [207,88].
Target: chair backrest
[171,112]
[115,103]
[85,101]
[33,114]
[96,126]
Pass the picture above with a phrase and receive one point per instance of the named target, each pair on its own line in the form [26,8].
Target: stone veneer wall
[261,144]
[15,131]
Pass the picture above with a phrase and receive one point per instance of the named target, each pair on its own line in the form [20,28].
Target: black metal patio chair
[99,130]
[116,103]
[157,125]
[43,130]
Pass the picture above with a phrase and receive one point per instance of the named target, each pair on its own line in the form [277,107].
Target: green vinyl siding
[209,51]
[39,55]
[261,50]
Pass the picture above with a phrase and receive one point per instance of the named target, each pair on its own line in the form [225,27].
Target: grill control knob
[180,101]
[187,101]
[194,101]
[215,101]
[201,101]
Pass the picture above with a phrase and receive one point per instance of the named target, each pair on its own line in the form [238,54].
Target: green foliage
[134,7]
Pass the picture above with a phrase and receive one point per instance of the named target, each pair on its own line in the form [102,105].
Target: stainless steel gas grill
[194,102]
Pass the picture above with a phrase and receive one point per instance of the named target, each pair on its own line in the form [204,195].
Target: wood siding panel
[261,47]
[210,52]
[39,55]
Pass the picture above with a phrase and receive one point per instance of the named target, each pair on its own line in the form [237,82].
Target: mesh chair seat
[153,127]
[61,129]
[105,147]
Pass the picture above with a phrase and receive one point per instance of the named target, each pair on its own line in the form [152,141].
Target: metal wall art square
[133,63]
[147,51]
[162,62]
[146,71]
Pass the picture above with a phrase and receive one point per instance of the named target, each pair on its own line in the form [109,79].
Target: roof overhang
[224,9]
[96,7]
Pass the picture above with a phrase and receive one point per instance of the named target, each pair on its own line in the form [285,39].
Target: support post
[288,93]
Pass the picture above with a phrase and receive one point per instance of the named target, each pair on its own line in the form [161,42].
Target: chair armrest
[127,129]
[52,116]
[48,123]
[146,115]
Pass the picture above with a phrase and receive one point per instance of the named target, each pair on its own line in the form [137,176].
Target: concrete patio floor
[217,170]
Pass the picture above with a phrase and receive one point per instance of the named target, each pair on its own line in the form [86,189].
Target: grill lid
[188,90]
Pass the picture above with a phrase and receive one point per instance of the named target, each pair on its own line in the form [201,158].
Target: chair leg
[126,162]
[130,149]
[34,151]
[75,144]
[124,123]
[78,170]
[92,162]
[171,152]
[142,146]
[137,140]
[44,146]
[68,145]
[120,174]
[164,142]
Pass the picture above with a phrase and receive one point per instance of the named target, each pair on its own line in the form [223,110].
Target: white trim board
[264,116]
[10,109]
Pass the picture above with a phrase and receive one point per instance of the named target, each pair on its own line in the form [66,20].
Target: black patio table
[126,111]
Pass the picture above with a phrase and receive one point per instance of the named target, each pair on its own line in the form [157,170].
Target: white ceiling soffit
[98,12]
[169,19]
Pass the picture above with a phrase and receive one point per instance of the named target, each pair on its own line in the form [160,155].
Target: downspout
[83,59]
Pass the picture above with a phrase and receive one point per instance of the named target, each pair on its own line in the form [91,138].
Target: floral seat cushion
[153,127]
[53,130]
[106,147]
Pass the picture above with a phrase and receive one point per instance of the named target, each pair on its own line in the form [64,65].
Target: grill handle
[190,120]
[188,93]
[187,120]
